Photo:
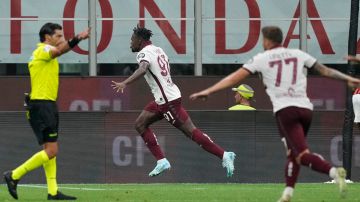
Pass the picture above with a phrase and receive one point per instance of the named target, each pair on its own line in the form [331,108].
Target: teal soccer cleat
[161,166]
[228,163]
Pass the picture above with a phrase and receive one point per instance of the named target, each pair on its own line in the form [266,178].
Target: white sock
[288,191]
[332,173]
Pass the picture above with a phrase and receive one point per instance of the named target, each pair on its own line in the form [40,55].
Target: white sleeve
[143,56]
[253,65]
[309,60]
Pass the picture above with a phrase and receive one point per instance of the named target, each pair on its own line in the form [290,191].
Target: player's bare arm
[335,74]
[65,46]
[226,82]
[352,58]
[119,86]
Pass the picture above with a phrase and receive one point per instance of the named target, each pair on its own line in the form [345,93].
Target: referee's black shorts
[44,120]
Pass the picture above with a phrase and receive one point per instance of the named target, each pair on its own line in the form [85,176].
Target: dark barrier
[95,94]
[104,147]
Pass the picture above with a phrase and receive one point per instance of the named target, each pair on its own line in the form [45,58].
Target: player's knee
[299,157]
[188,132]
[139,127]
[319,155]
[51,152]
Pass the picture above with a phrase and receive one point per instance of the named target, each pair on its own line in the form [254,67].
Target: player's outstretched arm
[352,58]
[335,74]
[65,46]
[226,82]
[119,86]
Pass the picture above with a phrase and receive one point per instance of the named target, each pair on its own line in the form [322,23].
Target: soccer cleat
[228,163]
[161,166]
[285,198]
[340,180]
[11,184]
[60,196]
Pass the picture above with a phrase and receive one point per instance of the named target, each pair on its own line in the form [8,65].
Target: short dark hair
[49,28]
[272,33]
[143,33]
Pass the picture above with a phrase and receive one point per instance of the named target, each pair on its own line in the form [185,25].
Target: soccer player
[243,94]
[283,74]
[356,95]
[42,109]
[154,66]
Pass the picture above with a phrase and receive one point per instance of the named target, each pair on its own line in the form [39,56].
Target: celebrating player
[154,66]
[42,109]
[283,75]
[356,95]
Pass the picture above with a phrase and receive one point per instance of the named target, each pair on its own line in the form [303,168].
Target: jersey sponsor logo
[291,92]
[141,55]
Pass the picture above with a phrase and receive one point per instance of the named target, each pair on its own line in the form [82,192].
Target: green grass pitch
[304,192]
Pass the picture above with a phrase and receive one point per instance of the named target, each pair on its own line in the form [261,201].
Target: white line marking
[98,189]
[61,187]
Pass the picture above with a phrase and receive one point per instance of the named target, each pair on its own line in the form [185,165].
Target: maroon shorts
[293,124]
[172,111]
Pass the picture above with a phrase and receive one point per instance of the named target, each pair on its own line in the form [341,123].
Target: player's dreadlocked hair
[143,32]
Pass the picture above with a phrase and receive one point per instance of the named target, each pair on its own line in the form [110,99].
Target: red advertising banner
[96,94]
[230,28]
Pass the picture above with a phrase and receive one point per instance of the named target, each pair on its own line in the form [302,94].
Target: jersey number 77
[279,65]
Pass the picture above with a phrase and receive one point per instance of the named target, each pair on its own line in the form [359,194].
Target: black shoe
[11,184]
[60,196]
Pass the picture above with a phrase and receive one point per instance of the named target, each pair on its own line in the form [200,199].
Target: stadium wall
[95,94]
[103,147]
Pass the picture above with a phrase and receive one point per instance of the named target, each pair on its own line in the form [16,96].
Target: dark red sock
[291,171]
[315,162]
[151,142]
[206,143]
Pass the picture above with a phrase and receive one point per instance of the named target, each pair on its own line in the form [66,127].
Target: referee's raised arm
[64,46]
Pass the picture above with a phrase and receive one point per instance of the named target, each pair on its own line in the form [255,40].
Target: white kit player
[283,73]
[356,94]
[154,66]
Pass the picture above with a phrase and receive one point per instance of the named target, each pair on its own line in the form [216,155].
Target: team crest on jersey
[141,55]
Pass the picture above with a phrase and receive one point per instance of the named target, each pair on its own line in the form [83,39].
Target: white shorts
[356,107]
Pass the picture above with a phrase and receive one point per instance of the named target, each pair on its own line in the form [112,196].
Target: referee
[42,109]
